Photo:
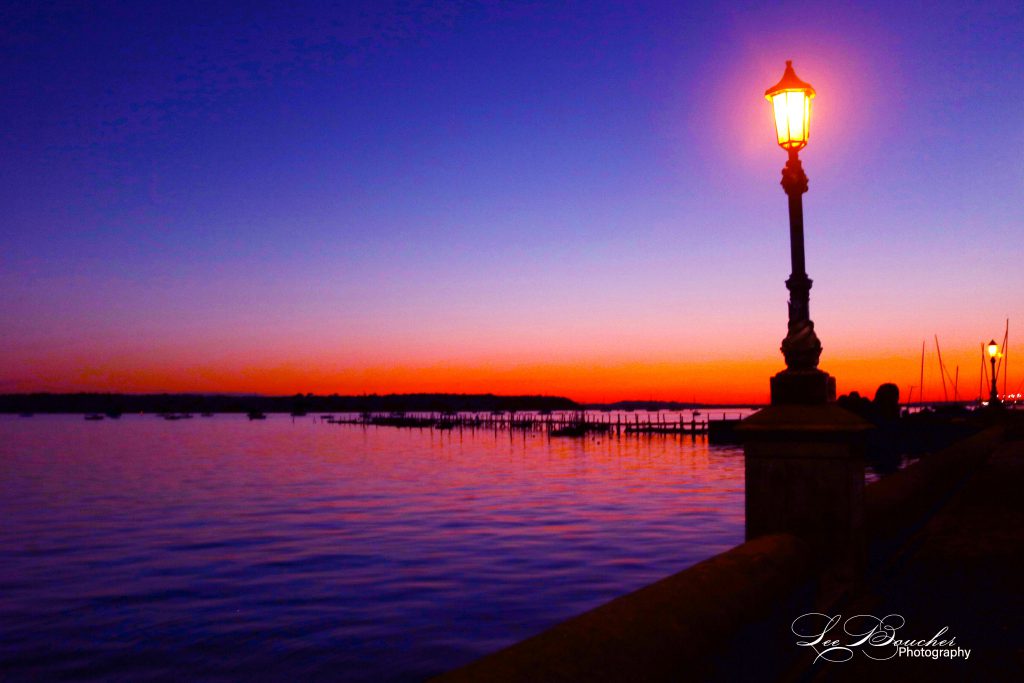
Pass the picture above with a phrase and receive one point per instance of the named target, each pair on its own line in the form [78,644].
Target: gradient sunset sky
[543,197]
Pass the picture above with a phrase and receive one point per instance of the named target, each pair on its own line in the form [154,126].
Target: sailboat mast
[942,370]
[1006,355]
[982,376]
[920,392]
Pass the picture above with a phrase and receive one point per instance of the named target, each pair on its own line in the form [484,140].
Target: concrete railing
[899,502]
[667,631]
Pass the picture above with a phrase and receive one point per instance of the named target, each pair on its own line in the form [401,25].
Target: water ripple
[216,549]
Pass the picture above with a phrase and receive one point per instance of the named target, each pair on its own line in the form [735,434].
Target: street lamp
[801,382]
[993,351]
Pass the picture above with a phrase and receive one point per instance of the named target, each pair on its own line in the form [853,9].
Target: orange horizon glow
[641,257]
[711,381]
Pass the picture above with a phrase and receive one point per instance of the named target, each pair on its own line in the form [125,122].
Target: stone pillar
[805,476]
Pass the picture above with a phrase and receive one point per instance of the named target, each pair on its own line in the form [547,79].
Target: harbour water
[223,549]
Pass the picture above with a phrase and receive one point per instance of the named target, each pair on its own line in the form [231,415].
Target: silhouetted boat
[401,421]
[577,425]
[256,415]
[570,430]
[345,420]
[172,416]
[94,417]
[723,431]
[113,415]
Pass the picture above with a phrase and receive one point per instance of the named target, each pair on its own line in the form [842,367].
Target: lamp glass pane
[792,109]
[795,102]
[781,122]
[807,118]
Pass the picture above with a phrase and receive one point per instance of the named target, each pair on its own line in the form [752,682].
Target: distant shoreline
[44,403]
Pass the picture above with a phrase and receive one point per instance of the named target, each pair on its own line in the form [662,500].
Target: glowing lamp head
[791,103]
[993,349]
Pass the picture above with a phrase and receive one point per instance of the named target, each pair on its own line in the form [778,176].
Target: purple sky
[393,196]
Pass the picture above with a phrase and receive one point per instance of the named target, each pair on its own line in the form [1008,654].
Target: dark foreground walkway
[964,569]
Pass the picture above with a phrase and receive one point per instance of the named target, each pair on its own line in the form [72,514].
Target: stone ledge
[895,504]
[804,419]
[669,630]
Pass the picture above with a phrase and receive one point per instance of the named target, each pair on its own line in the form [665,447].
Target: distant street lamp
[993,351]
[801,382]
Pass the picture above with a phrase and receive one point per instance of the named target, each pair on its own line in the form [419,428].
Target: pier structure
[562,423]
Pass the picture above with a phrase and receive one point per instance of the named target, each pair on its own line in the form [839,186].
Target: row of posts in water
[553,424]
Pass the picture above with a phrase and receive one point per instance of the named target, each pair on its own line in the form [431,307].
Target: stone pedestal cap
[803,422]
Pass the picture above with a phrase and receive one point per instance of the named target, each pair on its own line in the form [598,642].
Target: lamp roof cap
[789,83]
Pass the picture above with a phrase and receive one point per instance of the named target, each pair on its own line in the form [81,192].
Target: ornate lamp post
[993,351]
[801,382]
[804,453]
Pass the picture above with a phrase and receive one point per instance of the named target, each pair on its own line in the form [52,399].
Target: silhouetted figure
[887,402]
[884,445]
[857,404]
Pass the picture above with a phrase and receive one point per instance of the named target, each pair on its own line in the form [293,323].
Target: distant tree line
[226,403]
[645,405]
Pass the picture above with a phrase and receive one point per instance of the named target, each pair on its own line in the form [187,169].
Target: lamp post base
[803,387]
[805,476]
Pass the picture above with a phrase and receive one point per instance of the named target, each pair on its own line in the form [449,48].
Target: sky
[572,198]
